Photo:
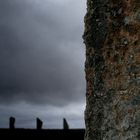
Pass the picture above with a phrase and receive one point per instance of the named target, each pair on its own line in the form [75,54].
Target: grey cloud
[41,54]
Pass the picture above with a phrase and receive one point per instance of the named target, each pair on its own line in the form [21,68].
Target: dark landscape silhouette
[42,134]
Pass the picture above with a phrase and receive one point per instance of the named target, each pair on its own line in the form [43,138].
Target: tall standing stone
[65,124]
[39,124]
[12,122]
[112,67]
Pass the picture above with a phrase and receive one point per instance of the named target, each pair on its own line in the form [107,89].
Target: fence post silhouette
[65,124]
[39,124]
[12,122]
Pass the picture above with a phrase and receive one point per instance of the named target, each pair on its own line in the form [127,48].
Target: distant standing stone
[39,123]
[12,122]
[65,124]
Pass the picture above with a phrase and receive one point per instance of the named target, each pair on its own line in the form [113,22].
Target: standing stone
[112,67]
[39,124]
[65,124]
[12,122]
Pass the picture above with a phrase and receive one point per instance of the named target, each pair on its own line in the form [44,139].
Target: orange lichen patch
[114,76]
[131,111]
[128,36]
[125,97]
[135,4]
[89,85]
[116,61]
[120,68]
[131,7]
[90,73]
[108,78]
[128,10]
[109,84]
[133,29]
[89,88]
[89,92]
[119,83]
[138,74]
[122,82]
[127,1]
[90,51]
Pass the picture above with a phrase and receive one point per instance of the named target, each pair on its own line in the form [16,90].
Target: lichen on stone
[112,67]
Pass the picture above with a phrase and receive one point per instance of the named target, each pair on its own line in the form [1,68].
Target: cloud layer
[41,52]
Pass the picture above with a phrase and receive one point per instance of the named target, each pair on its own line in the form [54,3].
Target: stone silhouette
[65,124]
[112,67]
[12,122]
[39,124]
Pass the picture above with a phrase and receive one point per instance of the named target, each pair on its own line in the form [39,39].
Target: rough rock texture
[112,67]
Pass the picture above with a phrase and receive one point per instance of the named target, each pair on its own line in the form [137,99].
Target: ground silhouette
[41,134]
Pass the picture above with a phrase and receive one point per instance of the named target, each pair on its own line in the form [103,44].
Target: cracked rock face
[112,68]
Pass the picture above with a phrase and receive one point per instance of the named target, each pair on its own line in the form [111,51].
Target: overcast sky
[42,62]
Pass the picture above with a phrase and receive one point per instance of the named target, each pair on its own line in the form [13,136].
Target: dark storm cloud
[41,56]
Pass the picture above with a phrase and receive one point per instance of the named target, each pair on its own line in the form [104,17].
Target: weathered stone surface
[112,67]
